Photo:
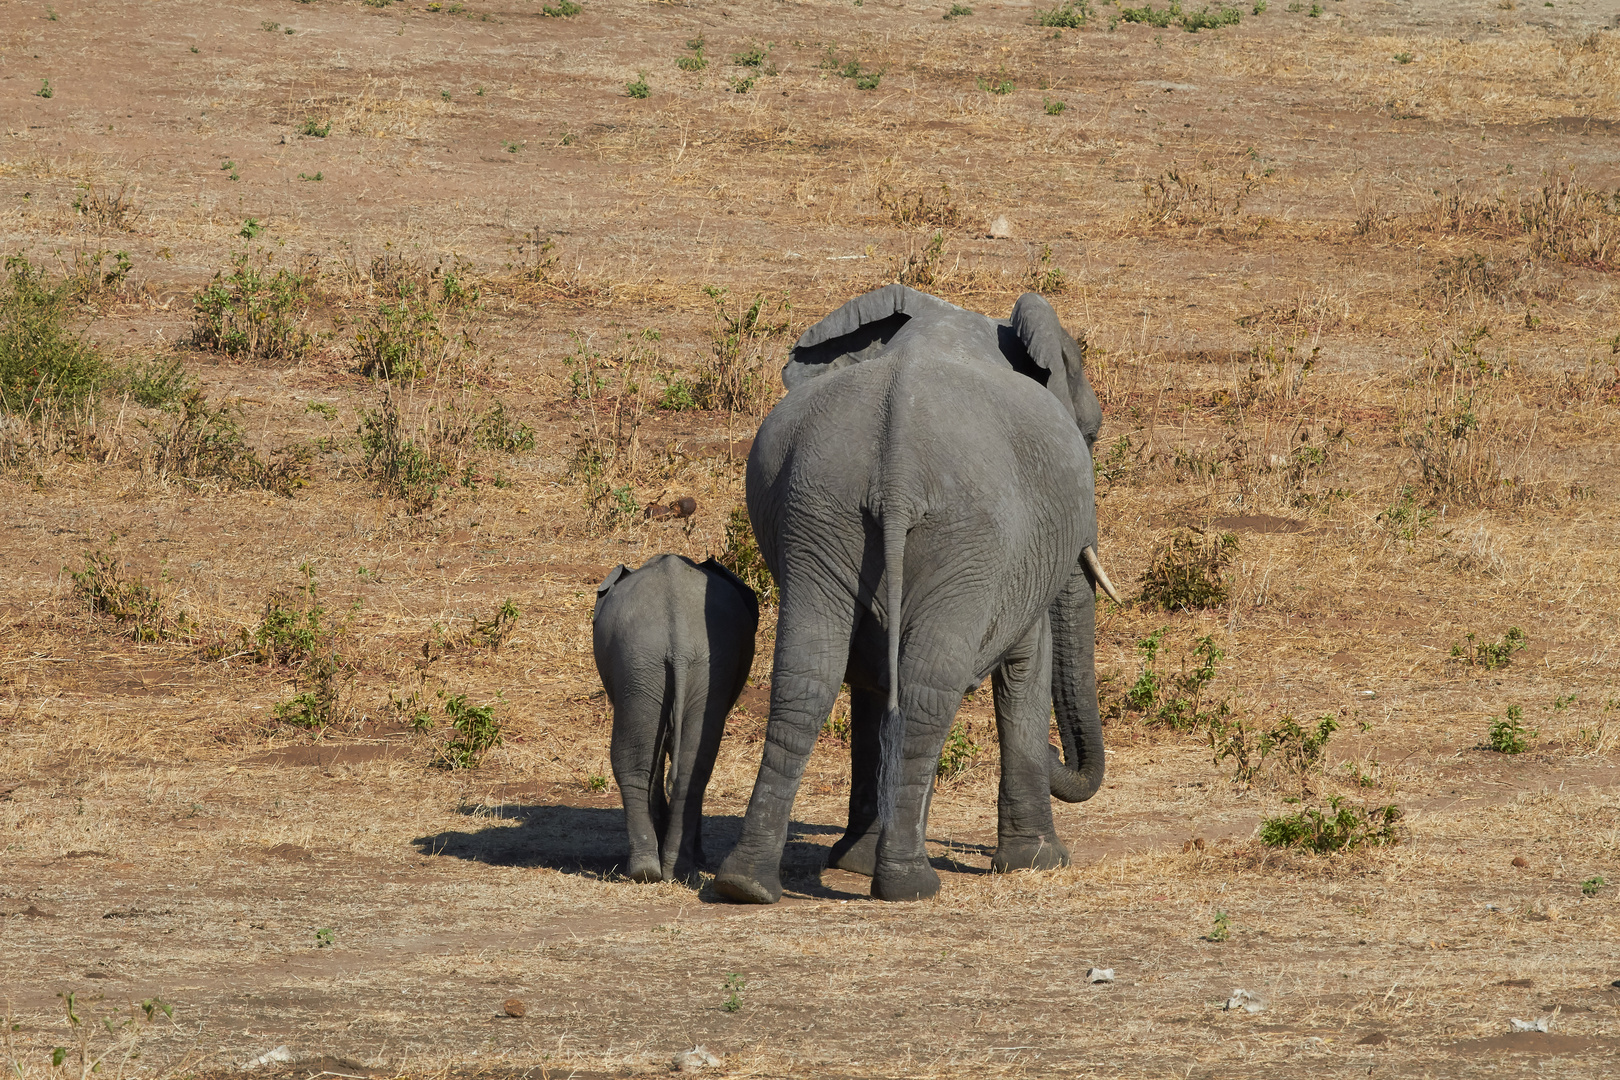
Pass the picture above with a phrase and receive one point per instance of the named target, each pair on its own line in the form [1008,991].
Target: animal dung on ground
[515,1007]
[684,507]
[694,1059]
[1000,228]
[1515,1024]
[1247,1000]
[1099,975]
[1521,862]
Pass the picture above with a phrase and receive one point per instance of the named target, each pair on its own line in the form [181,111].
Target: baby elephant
[674,642]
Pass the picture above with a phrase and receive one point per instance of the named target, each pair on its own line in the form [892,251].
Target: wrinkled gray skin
[917,435]
[673,643]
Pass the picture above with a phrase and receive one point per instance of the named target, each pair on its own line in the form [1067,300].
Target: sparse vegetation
[958,11]
[43,364]
[1508,735]
[1343,826]
[1189,570]
[1070,14]
[637,87]
[733,988]
[735,377]
[695,61]
[253,312]
[142,612]
[959,753]
[1489,655]
[740,554]
[476,732]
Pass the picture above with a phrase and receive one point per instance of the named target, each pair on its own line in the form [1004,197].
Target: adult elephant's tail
[892,730]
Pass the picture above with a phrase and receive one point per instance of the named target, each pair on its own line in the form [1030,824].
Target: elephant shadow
[591,840]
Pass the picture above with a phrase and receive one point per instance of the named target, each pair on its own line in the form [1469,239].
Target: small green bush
[1054,107]
[315,128]
[740,554]
[564,9]
[42,362]
[958,754]
[476,733]
[1489,655]
[400,341]
[251,312]
[638,88]
[1508,735]
[1205,19]
[1069,15]
[1344,827]
[143,613]
[696,61]
[1146,14]
[958,11]
[1189,570]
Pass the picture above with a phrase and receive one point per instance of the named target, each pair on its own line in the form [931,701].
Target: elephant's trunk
[1074,689]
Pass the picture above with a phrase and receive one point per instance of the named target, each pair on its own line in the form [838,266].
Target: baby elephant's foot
[911,880]
[644,868]
[855,852]
[1040,853]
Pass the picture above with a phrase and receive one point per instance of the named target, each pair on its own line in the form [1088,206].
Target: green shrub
[740,554]
[958,754]
[250,312]
[315,128]
[143,613]
[156,383]
[638,88]
[1176,701]
[958,11]
[1345,827]
[1069,15]
[1205,19]
[198,441]
[1146,14]
[564,9]
[1189,570]
[1488,654]
[476,732]
[42,362]
[400,341]
[1508,735]
[695,62]
[401,467]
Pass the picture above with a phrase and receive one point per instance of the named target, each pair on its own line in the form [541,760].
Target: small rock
[1247,1000]
[694,1059]
[279,1056]
[1530,1025]
[1521,862]
[515,1007]
[1000,228]
[1099,975]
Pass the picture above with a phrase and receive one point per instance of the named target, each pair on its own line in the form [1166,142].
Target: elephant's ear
[607,586]
[857,331]
[745,590]
[1058,360]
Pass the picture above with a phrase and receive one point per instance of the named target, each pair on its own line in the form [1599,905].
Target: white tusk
[1088,555]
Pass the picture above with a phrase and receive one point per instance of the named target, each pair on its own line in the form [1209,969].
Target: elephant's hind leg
[856,850]
[1026,837]
[902,870]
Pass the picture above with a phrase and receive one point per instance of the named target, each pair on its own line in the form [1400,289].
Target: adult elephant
[924,497]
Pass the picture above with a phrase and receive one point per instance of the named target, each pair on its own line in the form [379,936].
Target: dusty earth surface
[1348,276]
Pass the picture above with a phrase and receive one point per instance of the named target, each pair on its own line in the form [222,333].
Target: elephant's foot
[1040,853]
[644,868]
[914,880]
[749,881]
[855,852]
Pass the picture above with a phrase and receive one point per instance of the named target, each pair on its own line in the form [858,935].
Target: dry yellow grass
[1317,319]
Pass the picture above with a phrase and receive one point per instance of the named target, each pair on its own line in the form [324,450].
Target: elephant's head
[1032,341]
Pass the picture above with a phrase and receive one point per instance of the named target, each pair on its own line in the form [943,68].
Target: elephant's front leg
[812,647]
[1026,837]
[902,870]
[856,850]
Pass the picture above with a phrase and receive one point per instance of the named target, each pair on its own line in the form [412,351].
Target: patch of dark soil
[1258,523]
[1535,1042]
[290,852]
[30,912]
[755,701]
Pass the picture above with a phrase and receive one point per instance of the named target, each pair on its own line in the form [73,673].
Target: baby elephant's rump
[674,641]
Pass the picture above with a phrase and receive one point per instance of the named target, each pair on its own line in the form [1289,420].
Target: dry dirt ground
[1348,274]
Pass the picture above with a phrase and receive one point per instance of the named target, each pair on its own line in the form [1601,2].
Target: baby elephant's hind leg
[637,753]
[701,730]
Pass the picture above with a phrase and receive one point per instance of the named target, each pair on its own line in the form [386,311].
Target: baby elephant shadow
[588,840]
